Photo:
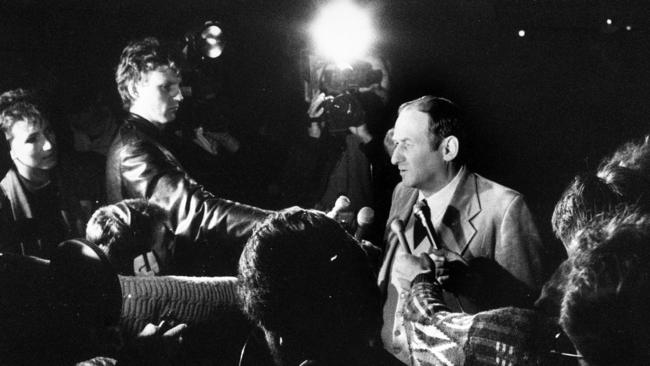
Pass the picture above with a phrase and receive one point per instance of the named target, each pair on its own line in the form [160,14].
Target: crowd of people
[463,277]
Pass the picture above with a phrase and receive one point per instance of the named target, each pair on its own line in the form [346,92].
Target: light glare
[343,32]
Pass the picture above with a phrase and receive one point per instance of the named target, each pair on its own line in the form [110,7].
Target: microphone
[397,227]
[365,218]
[421,211]
[342,203]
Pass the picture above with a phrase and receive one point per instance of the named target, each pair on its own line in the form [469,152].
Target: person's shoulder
[486,186]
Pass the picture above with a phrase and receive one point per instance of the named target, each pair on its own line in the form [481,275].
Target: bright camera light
[342,32]
[213,44]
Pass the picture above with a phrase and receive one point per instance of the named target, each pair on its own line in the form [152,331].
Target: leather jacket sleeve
[151,172]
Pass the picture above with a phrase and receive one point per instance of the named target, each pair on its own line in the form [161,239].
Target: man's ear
[132,87]
[450,148]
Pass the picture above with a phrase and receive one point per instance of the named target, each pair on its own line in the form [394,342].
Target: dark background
[542,107]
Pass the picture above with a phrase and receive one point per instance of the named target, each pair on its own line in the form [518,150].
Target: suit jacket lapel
[457,230]
[401,209]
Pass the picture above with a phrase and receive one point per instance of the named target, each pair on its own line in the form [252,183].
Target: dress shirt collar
[439,201]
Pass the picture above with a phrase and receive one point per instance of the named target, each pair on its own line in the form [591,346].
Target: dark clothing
[34,223]
[318,171]
[141,164]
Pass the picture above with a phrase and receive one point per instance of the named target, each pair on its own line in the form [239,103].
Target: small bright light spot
[342,32]
[521,33]
[334,258]
[211,31]
[628,27]
[608,21]
[215,52]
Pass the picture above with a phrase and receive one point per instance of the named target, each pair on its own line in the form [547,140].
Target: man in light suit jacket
[486,248]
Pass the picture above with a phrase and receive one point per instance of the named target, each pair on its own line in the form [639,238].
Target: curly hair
[302,276]
[138,58]
[123,230]
[606,305]
[19,105]
[633,155]
[589,195]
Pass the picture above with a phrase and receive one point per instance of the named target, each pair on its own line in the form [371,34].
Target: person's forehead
[411,124]
[161,75]
[26,127]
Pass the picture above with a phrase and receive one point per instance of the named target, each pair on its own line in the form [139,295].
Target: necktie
[419,231]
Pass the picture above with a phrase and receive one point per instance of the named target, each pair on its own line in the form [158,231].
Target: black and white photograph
[325,183]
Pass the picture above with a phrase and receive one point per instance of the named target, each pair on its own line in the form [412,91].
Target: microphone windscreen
[397,226]
[417,208]
[342,203]
[365,216]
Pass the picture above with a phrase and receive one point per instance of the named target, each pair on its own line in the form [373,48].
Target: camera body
[342,111]
[335,80]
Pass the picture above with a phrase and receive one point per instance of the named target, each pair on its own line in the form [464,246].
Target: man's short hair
[303,277]
[19,105]
[444,118]
[123,230]
[138,58]
[606,305]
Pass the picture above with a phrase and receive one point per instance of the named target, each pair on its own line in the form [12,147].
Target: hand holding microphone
[449,266]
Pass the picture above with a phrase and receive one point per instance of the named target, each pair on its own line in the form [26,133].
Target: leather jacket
[140,164]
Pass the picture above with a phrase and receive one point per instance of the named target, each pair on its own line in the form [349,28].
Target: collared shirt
[393,333]
[439,201]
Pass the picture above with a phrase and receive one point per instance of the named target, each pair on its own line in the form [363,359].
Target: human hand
[448,265]
[154,345]
[407,266]
[362,132]
[316,109]
[225,140]
[314,112]
[206,142]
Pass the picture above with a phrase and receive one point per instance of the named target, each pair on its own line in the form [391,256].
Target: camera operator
[342,153]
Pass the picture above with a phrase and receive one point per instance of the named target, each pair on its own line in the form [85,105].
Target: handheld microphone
[397,227]
[342,203]
[421,211]
[365,218]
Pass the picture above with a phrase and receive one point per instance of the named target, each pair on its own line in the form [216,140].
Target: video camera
[342,108]
[335,80]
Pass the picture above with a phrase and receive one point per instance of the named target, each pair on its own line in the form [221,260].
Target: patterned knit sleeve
[435,335]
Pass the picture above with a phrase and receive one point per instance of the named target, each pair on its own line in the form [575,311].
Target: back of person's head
[445,119]
[308,285]
[19,105]
[124,230]
[606,305]
[633,155]
[592,194]
[138,58]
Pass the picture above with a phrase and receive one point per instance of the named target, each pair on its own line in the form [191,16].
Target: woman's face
[33,145]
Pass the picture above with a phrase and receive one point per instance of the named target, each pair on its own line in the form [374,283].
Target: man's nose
[47,145]
[179,96]
[396,157]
